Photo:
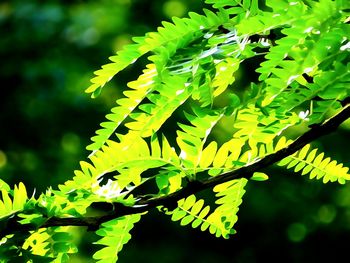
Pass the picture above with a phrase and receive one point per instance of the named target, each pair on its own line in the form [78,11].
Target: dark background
[48,51]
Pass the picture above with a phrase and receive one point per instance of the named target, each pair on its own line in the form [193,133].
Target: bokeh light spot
[326,214]
[120,41]
[174,8]
[5,10]
[70,143]
[296,232]
[30,161]
[3,159]
[90,36]
[342,196]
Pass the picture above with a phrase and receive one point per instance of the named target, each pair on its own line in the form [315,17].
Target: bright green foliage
[10,206]
[195,114]
[236,6]
[191,139]
[164,43]
[115,234]
[229,196]
[219,222]
[42,245]
[316,165]
[310,161]
[54,243]
[140,88]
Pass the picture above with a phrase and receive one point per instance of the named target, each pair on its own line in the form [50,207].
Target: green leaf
[178,214]
[246,4]
[254,7]
[6,200]
[20,196]
[115,234]
[207,155]
[258,176]
[4,186]
[320,168]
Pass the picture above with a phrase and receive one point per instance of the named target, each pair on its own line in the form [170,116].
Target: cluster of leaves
[191,80]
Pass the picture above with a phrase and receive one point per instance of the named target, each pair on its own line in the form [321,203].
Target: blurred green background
[48,51]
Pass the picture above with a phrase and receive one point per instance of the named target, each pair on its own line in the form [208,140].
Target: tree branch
[144,205]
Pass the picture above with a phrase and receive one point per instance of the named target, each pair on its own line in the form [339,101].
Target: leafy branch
[190,82]
[144,205]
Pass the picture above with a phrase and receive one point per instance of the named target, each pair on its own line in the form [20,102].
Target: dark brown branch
[142,205]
